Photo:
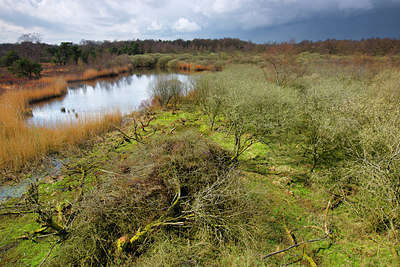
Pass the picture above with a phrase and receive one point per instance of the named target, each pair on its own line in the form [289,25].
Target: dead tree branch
[296,245]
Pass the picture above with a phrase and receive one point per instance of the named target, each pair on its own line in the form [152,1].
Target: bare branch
[298,244]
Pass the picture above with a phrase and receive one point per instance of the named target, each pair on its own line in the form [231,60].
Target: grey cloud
[97,19]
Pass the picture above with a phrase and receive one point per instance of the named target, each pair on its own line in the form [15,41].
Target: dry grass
[56,88]
[91,74]
[21,143]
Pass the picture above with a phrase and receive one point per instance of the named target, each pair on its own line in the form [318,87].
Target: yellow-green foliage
[146,60]
[173,64]
[346,123]
[163,61]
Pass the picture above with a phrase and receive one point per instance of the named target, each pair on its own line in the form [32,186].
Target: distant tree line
[30,50]
[373,46]
[34,49]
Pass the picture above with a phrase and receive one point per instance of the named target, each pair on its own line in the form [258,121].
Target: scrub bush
[174,187]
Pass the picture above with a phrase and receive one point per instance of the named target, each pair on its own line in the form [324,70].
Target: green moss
[33,253]
[16,251]
[15,226]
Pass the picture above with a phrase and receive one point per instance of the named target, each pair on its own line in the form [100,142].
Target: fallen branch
[147,123]
[45,217]
[79,195]
[48,254]
[296,245]
[34,233]
[126,136]
[326,214]
[293,238]
[325,230]
[124,241]
[16,212]
[110,172]
[172,130]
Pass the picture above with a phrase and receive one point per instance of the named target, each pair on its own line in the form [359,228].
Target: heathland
[271,155]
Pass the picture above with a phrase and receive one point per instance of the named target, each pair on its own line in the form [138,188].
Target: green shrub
[219,65]
[25,67]
[210,94]
[146,60]
[184,57]
[329,118]
[163,61]
[253,108]
[173,64]
[377,154]
[9,59]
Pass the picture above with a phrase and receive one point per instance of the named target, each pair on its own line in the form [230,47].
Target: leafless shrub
[166,90]
[177,186]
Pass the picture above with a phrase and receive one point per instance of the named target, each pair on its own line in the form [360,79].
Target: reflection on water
[97,97]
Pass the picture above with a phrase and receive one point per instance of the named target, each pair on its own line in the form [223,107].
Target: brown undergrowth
[181,186]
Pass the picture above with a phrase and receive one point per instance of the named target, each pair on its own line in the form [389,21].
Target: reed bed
[21,143]
[57,87]
[92,74]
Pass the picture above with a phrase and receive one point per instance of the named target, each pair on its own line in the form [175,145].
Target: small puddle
[20,188]
[15,190]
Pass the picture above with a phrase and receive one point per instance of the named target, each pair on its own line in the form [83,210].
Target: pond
[88,99]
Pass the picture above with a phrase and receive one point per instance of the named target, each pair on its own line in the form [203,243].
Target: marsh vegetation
[281,151]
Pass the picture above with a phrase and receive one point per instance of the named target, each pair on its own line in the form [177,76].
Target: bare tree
[30,46]
[165,90]
[35,38]
[283,58]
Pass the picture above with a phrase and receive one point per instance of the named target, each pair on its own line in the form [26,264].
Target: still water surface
[97,97]
[87,99]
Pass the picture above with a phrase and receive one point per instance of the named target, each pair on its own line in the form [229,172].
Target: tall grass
[56,88]
[92,74]
[21,143]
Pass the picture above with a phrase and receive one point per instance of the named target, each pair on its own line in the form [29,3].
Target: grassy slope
[278,185]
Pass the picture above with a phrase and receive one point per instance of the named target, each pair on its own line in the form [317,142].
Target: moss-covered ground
[290,209]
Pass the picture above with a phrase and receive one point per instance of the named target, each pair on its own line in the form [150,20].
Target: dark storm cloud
[382,22]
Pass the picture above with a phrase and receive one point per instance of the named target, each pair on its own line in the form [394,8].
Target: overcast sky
[257,20]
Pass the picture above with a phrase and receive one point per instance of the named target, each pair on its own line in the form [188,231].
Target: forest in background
[30,46]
